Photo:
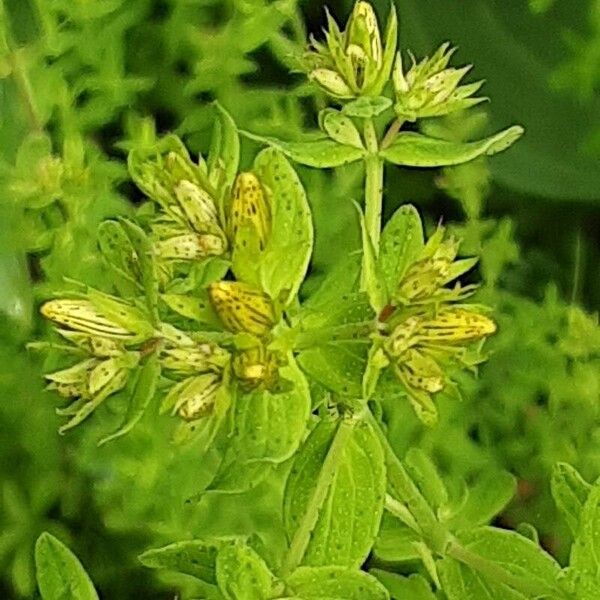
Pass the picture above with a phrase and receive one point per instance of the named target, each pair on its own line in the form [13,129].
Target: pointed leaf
[417,150]
[242,574]
[335,583]
[143,392]
[334,494]
[59,573]
[400,245]
[321,153]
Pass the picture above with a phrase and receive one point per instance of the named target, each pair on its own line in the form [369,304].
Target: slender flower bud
[194,397]
[197,359]
[456,326]
[249,208]
[242,308]
[363,32]
[83,316]
[189,246]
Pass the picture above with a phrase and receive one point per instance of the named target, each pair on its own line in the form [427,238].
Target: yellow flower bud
[256,367]
[456,326]
[197,359]
[242,308]
[363,31]
[250,207]
[83,316]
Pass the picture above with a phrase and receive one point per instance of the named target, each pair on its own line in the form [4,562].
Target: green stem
[373,185]
[391,133]
[403,488]
[302,535]
[498,573]
[20,75]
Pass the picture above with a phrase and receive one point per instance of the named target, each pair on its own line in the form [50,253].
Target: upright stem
[373,185]
[19,73]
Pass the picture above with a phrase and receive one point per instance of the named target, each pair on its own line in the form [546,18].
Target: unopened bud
[332,82]
[190,246]
[83,316]
[456,326]
[242,308]
[249,207]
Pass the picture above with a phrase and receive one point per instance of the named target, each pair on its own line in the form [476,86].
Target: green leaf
[268,428]
[459,582]
[417,150]
[242,574]
[366,107]
[193,557]
[321,153]
[396,542]
[517,555]
[143,392]
[425,474]
[414,587]
[371,278]
[486,498]
[224,155]
[147,265]
[585,554]
[338,367]
[334,494]
[59,573]
[292,230]
[400,245]
[570,492]
[335,583]
[340,128]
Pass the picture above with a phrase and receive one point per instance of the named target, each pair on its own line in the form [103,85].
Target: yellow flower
[242,308]
[249,209]
[256,368]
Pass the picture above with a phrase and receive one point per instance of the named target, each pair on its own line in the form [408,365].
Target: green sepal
[340,128]
[367,107]
[143,392]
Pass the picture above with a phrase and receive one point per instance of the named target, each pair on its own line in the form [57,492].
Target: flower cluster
[430,88]
[111,340]
[188,226]
[354,62]
[429,326]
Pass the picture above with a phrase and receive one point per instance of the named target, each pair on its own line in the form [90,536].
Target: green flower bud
[363,32]
[197,359]
[430,89]
[242,308]
[189,246]
[354,62]
[456,326]
[194,397]
[332,82]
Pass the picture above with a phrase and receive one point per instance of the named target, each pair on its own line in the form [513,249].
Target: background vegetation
[84,81]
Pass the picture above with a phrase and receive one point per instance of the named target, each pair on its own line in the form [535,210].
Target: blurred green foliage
[77,77]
